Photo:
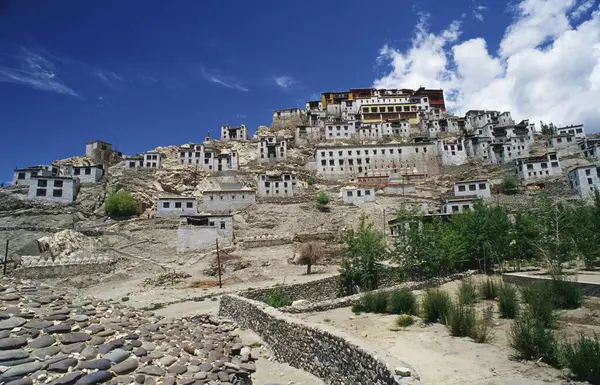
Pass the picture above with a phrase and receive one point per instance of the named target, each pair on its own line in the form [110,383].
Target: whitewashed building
[453,152]
[175,207]
[287,113]
[85,174]
[343,162]
[457,205]
[283,185]
[133,162]
[234,133]
[479,187]
[208,157]
[535,167]
[592,151]
[306,134]
[271,149]
[201,232]
[340,130]
[584,180]
[576,130]
[227,200]
[55,189]
[152,159]
[357,195]
[563,141]
[23,176]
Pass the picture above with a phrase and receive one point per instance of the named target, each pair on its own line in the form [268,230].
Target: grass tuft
[435,306]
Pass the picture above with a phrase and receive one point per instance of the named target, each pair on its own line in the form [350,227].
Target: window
[189,205]
[58,183]
[57,193]
[358,193]
[222,225]
[177,205]
[454,209]
[554,164]
[42,183]
[472,187]
[349,193]
[221,196]
[211,223]
[367,192]
[465,207]
[88,171]
[482,186]
[41,192]
[233,197]
[166,205]
[530,167]
[21,175]
[590,181]
[587,172]
[462,188]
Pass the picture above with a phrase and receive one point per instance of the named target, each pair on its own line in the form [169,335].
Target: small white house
[356,195]
[86,174]
[23,176]
[480,188]
[175,207]
[584,180]
[152,159]
[340,130]
[133,162]
[53,189]
[456,205]
[201,232]
[535,167]
[453,152]
[562,141]
[271,149]
[227,200]
[234,133]
[282,185]
[577,130]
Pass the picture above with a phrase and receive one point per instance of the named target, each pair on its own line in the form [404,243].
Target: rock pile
[47,337]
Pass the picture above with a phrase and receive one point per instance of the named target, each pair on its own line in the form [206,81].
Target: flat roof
[176,198]
[460,199]
[228,191]
[584,166]
[201,216]
[386,145]
[53,177]
[472,181]
[34,168]
[97,141]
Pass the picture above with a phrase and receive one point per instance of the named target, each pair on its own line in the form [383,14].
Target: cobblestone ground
[53,337]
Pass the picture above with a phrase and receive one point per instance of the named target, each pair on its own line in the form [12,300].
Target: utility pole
[5,257]
[219,264]
[384,222]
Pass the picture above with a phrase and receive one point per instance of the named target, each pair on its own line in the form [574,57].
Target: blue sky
[140,74]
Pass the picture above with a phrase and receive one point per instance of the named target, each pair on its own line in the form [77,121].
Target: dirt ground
[441,359]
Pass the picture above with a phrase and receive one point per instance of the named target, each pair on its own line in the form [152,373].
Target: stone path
[55,338]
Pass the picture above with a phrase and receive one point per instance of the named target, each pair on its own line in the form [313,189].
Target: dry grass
[201,284]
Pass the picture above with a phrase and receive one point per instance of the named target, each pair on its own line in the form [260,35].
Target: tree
[510,183]
[586,230]
[310,253]
[363,249]
[120,204]
[525,234]
[322,201]
[548,129]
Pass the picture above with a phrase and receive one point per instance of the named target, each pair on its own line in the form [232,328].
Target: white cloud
[478,12]
[33,70]
[546,68]
[285,81]
[225,82]
[582,9]
[109,78]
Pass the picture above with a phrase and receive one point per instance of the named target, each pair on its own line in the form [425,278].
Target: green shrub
[402,302]
[582,357]
[482,332]
[467,292]
[461,320]
[533,341]
[508,302]
[538,304]
[435,306]
[564,294]
[405,320]
[489,288]
[510,183]
[276,297]
[372,302]
[120,204]
[124,299]
[322,199]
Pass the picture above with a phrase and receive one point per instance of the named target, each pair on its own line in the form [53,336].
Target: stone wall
[263,241]
[317,290]
[591,289]
[62,271]
[325,352]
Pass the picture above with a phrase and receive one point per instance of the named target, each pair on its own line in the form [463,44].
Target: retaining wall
[322,351]
[61,271]
[590,289]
